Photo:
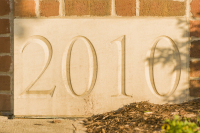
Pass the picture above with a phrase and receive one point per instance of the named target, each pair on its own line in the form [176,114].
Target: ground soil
[40,125]
[141,117]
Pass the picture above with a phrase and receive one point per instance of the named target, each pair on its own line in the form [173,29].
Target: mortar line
[194,18]
[195,39]
[11,72]
[188,15]
[5,35]
[194,59]
[6,92]
[62,8]
[37,8]
[194,78]
[188,8]
[6,74]
[137,7]
[6,54]
[113,9]
[5,17]
[100,17]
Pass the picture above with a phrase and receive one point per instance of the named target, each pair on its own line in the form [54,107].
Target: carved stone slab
[80,67]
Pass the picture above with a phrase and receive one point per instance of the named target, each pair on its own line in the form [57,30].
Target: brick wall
[6,56]
[62,8]
[195,49]
[92,8]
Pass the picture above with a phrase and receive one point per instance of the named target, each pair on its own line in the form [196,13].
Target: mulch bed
[142,117]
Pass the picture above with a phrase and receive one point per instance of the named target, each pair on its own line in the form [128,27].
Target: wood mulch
[141,117]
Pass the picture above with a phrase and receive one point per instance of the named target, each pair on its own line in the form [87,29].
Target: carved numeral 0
[92,67]
[44,43]
[150,71]
[121,66]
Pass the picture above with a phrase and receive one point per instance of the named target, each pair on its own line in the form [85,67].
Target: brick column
[6,56]
[195,49]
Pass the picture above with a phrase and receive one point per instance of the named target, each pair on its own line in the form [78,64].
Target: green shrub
[177,126]
[198,118]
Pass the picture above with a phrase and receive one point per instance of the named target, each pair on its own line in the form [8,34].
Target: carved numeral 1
[48,55]
[121,66]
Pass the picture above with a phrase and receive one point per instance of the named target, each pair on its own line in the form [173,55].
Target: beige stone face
[79,67]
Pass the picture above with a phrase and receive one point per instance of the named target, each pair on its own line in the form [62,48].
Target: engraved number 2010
[93,66]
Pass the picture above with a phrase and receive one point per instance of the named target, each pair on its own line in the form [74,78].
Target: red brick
[4,7]
[49,8]
[100,7]
[195,28]
[5,63]
[125,7]
[5,102]
[77,7]
[162,8]
[194,68]
[4,26]
[195,49]
[195,88]
[25,8]
[4,44]
[4,83]
[195,8]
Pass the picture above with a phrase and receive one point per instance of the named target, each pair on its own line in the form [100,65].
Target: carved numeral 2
[44,43]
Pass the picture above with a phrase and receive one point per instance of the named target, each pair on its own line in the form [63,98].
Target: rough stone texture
[195,8]
[77,7]
[4,44]
[195,88]
[195,28]
[4,83]
[25,8]
[125,7]
[5,62]
[49,8]
[4,26]
[100,7]
[4,7]
[162,8]
[194,68]
[195,49]
[5,102]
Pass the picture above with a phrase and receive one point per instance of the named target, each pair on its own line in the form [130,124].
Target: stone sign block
[78,67]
